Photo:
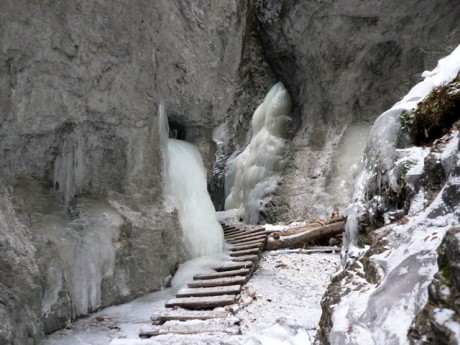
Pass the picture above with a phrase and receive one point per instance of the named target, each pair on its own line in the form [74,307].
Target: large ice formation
[185,187]
[253,175]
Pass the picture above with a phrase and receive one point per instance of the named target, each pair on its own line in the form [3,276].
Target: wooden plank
[244,236]
[213,275]
[231,232]
[209,302]
[228,227]
[244,233]
[248,240]
[254,245]
[232,265]
[245,252]
[218,282]
[227,326]
[184,315]
[260,241]
[251,257]
[209,291]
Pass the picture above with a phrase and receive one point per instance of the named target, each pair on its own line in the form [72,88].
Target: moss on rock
[435,115]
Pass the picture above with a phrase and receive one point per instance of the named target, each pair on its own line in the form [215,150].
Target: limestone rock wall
[80,165]
[342,62]
[83,224]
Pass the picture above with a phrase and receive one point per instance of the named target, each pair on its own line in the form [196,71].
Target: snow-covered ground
[279,305]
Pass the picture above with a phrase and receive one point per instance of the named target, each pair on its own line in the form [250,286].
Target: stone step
[209,291]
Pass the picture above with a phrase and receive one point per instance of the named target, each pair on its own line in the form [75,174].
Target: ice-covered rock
[437,323]
[406,200]
[253,175]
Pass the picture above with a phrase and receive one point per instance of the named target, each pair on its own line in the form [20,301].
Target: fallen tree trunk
[307,250]
[311,225]
[303,236]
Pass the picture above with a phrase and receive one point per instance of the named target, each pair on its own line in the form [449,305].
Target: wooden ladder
[208,291]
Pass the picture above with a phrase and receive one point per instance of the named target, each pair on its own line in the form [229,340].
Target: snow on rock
[382,293]
[441,310]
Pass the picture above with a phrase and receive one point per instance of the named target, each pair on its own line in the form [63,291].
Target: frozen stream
[280,305]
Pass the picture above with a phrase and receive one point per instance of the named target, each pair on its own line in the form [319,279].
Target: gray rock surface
[342,62]
[82,218]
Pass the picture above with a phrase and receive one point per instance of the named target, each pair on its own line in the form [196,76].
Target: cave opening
[177,130]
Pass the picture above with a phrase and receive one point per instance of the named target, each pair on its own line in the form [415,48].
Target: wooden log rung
[222,274]
[227,326]
[251,257]
[237,280]
[231,232]
[244,234]
[233,265]
[237,247]
[248,231]
[245,252]
[184,315]
[209,291]
[259,241]
[248,240]
[209,302]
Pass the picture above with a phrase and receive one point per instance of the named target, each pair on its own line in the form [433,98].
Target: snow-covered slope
[387,271]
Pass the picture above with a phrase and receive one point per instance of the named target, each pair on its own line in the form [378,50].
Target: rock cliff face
[82,219]
[344,61]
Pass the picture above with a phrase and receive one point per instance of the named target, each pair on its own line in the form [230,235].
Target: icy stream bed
[279,305]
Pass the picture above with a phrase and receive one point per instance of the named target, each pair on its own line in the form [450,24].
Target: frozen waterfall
[186,189]
[253,175]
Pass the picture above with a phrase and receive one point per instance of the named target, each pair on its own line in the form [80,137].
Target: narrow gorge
[298,109]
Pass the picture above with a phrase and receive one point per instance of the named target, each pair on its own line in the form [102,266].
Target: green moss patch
[435,115]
